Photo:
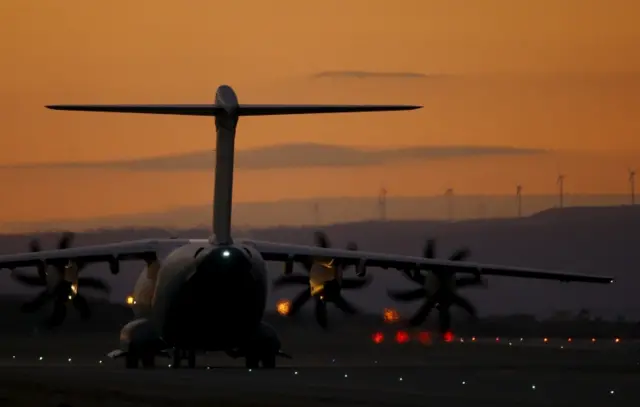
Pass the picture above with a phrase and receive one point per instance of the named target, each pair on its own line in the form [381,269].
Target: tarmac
[487,371]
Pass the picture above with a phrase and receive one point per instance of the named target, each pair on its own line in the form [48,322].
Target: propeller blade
[34,281]
[429,251]
[292,279]
[407,295]
[460,254]
[445,320]
[467,281]
[345,306]
[34,245]
[464,304]
[299,301]
[355,283]
[321,313]
[82,306]
[36,303]
[94,283]
[59,314]
[65,240]
[415,276]
[423,312]
[353,246]
[322,240]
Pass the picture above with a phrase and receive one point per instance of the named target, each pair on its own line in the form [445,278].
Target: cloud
[373,75]
[295,156]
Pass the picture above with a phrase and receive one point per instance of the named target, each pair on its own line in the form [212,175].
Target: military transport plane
[210,295]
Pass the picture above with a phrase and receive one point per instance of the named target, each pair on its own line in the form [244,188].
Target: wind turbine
[519,199]
[449,196]
[560,182]
[382,203]
[632,184]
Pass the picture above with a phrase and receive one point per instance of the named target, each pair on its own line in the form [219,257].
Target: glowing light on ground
[283,307]
[377,337]
[424,338]
[402,337]
[390,315]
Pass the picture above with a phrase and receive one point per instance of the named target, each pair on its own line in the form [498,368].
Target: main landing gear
[253,361]
[179,354]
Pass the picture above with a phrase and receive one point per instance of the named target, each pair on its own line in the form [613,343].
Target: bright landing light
[226,253]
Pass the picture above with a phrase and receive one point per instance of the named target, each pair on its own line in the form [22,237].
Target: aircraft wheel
[191,359]
[176,357]
[269,361]
[148,361]
[252,362]
[131,361]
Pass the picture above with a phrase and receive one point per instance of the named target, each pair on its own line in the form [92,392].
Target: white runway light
[40,358]
[533,387]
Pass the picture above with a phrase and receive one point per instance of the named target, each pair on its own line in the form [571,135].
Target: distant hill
[601,240]
[294,212]
[299,155]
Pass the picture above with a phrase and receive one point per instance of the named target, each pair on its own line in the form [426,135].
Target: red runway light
[617,340]
[448,336]
[424,338]
[402,337]
[497,339]
[377,337]
[569,340]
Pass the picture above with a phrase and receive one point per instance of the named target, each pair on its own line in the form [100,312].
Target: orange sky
[556,74]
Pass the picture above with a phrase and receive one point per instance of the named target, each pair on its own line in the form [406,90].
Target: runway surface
[482,374]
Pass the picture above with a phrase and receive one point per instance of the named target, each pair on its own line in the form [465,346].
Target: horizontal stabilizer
[242,110]
[185,110]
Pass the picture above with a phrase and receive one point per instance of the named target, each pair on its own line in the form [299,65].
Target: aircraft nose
[224,266]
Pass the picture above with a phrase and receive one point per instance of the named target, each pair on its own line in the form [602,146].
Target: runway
[457,375]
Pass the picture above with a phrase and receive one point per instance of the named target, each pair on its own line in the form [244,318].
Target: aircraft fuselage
[209,297]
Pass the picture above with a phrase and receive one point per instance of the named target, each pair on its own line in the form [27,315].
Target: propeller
[61,286]
[438,290]
[325,282]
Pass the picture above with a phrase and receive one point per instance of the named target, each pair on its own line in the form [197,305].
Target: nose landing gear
[179,354]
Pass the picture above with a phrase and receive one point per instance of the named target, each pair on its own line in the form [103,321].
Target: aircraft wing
[285,252]
[131,250]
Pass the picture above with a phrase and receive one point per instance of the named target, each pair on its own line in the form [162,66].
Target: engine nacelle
[288,266]
[361,268]
[114,266]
